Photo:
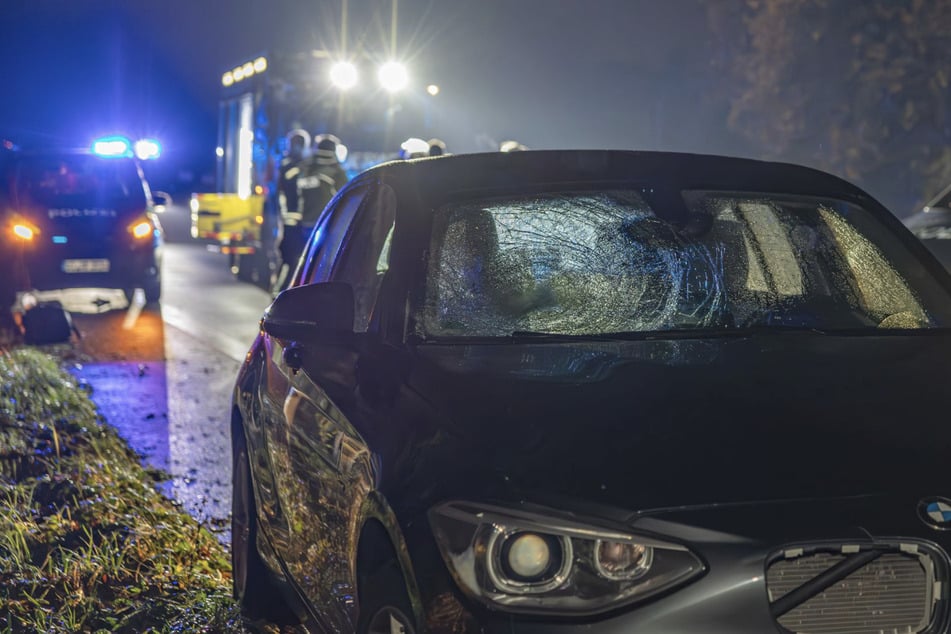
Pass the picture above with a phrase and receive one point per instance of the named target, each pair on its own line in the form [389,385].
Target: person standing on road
[320,178]
[290,205]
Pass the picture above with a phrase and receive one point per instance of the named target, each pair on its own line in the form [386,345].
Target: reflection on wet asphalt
[132,396]
[201,379]
[163,375]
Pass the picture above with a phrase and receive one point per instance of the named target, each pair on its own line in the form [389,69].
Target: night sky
[568,73]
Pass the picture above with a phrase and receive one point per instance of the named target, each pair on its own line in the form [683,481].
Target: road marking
[135,309]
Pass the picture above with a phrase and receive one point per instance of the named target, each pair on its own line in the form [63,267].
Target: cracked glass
[602,262]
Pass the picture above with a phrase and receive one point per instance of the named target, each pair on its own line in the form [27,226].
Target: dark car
[599,391]
[80,220]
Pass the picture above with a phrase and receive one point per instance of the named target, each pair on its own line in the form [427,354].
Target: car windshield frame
[678,207]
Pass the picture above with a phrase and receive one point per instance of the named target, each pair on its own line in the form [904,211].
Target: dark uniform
[289,195]
[317,179]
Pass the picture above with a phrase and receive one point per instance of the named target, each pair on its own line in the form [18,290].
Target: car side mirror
[320,313]
[161,200]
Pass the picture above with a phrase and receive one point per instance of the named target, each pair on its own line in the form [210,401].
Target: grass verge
[86,542]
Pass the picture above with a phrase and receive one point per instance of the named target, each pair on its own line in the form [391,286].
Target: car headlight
[527,562]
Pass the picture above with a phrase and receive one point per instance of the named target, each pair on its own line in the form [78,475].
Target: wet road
[162,375]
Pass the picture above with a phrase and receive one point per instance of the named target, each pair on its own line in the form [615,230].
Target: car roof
[57,152]
[434,179]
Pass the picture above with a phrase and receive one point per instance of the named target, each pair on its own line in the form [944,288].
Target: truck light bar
[244,71]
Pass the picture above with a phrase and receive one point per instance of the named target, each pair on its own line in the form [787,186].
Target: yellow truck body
[228,219]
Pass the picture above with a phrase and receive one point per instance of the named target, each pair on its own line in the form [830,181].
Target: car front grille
[895,593]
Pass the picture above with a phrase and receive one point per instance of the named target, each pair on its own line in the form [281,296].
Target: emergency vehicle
[82,218]
[265,98]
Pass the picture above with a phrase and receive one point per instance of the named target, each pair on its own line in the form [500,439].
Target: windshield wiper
[684,333]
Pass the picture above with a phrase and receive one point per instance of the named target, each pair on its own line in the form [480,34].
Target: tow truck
[263,99]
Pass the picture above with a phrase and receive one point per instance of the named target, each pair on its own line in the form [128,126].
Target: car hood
[662,423]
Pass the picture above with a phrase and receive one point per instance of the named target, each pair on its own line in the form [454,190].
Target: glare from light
[260,65]
[23,232]
[258,189]
[111,146]
[146,149]
[227,79]
[238,73]
[248,69]
[342,152]
[259,220]
[245,140]
[393,76]
[344,75]
[219,151]
[432,89]
[141,230]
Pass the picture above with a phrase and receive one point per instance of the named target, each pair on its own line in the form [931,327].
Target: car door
[323,468]
[277,396]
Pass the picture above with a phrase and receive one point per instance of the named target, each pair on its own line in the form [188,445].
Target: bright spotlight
[432,89]
[393,76]
[343,75]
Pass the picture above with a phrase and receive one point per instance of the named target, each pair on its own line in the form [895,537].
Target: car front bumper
[747,550]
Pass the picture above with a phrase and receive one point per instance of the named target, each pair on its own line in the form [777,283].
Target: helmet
[328,147]
[297,141]
[512,146]
[326,142]
[437,147]
[414,148]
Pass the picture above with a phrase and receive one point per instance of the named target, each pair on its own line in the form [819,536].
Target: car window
[605,262]
[364,259]
[78,181]
[329,234]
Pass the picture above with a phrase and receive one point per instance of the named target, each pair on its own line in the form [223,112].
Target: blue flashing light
[112,146]
[148,149]
[60,239]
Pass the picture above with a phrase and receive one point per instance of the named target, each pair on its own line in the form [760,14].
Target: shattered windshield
[582,263]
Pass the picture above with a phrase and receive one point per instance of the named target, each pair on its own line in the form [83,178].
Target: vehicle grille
[892,594]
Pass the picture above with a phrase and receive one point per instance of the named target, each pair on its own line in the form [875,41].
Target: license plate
[86,266]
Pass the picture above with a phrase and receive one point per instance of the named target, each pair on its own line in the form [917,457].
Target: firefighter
[319,178]
[289,196]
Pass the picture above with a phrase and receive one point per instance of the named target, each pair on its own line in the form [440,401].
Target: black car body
[599,391]
[77,220]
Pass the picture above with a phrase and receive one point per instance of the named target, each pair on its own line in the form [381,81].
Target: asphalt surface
[163,374]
